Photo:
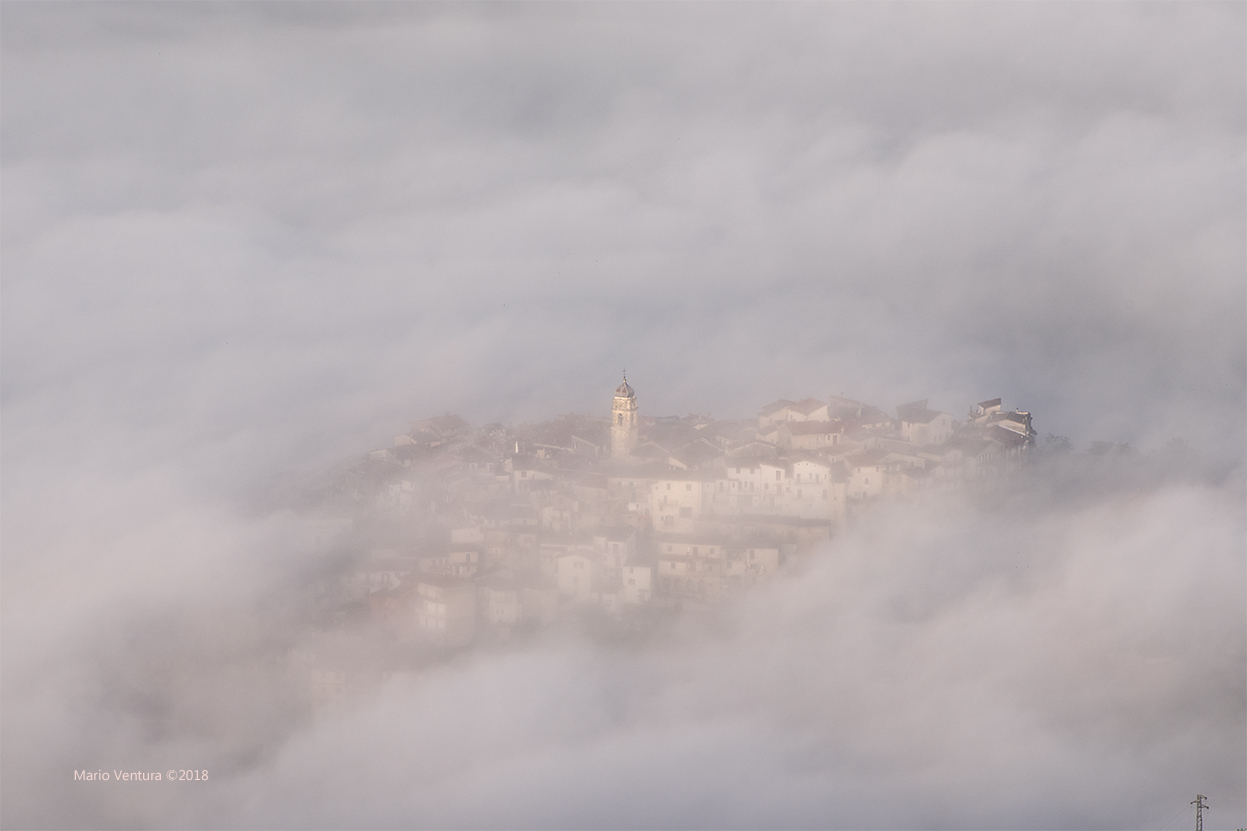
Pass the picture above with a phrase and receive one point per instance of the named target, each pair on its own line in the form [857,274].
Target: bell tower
[624,428]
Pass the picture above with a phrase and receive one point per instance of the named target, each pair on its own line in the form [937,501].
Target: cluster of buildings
[491,529]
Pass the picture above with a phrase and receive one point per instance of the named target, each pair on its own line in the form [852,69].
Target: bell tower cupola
[624,427]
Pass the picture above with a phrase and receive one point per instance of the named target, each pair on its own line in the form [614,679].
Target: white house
[865,474]
[445,609]
[809,435]
[637,584]
[676,503]
[921,425]
[811,492]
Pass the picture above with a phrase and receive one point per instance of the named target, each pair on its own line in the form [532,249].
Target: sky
[241,240]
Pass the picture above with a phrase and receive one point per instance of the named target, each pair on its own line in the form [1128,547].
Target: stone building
[624,424]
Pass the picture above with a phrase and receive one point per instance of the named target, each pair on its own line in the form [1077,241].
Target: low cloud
[1031,661]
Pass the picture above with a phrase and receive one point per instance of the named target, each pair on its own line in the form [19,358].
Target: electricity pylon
[1198,802]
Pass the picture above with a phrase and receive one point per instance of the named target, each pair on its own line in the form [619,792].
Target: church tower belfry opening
[624,426]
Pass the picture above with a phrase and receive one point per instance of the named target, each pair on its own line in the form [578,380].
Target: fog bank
[241,242]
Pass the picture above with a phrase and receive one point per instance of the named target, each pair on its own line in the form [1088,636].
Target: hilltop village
[479,531]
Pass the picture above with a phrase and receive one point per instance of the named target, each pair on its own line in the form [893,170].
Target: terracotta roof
[870,457]
[811,459]
[810,428]
[775,407]
[807,406]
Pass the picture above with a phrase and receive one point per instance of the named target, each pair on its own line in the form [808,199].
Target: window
[686,487]
[668,484]
[685,513]
[620,420]
[777,473]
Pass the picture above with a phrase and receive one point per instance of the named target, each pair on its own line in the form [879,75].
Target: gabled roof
[917,412]
[442,424]
[809,458]
[869,415]
[912,407]
[650,450]
[752,450]
[696,454]
[775,407]
[807,406]
[869,457]
[813,428]
[924,417]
